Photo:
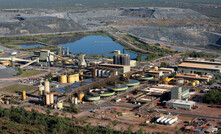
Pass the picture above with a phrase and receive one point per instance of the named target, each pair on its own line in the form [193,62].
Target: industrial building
[157,74]
[180,104]
[120,68]
[202,62]
[45,58]
[198,68]
[171,70]
[192,77]
[178,93]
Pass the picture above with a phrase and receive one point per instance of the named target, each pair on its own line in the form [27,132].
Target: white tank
[51,98]
[160,118]
[108,72]
[47,86]
[41,89]
[166,121]
[103,72]
[76,101]
[95,72]
[172,121]
[99,73]
[47,99]
[116,72]
[72,100]
[163,120]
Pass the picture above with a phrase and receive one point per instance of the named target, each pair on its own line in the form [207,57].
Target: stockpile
[6,72]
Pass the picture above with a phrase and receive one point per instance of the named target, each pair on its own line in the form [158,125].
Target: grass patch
[17,88]
[30,73]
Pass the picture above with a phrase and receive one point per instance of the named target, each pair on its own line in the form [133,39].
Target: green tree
[49,77]
[48,111]
[164,64]
[56,114]
[213,97]
[114,123]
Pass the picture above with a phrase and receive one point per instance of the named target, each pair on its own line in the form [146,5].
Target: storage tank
[5,63]
[47,99]
[116,59]
[51,98]
[24,95]
[99,73]
[104,72]
[41,89]
[162,121]
[166,121]
[80,96]
[156,68]
[172,121]
[76,77]
[160,118]
[63,79]
[47,86]
[76,101]
[108,72]
[60,105]
[197,82]
[71,79]
[72,100]
[116,72]
[193,84]
[95,72]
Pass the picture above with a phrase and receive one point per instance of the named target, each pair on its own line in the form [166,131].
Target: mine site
[110,67]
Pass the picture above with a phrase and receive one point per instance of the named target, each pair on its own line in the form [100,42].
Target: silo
[121,62]
[116,59]
[47,99]
[24,95]
[71,79]
[47,86]
[41,89]
[95,73]
[63,79]
[51,98]
[99,73]
[128,59]
[108,72]
[103,72]
[76,101]
[76,77]
[72,100]
[67,50]
[116,72]
[80,96]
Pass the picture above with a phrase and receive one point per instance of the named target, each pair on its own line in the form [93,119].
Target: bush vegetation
[18,120]
[213,97]
[200,55]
